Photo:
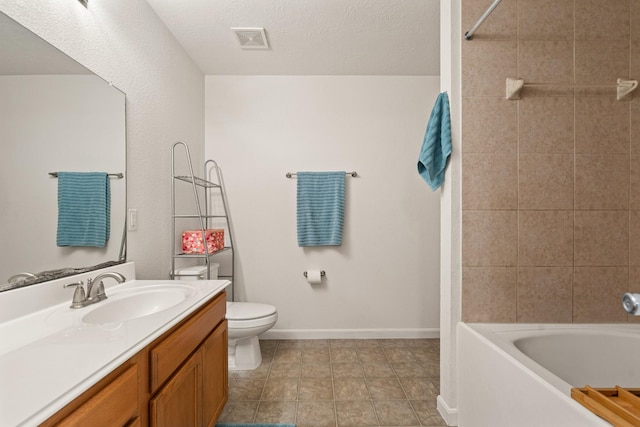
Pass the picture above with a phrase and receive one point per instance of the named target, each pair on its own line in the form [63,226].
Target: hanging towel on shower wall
[320,208]
[436,147]
[84,201]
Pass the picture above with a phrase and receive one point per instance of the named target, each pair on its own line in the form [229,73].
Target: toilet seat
[249,314]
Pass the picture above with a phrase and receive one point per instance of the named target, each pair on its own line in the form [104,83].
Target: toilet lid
[248,310]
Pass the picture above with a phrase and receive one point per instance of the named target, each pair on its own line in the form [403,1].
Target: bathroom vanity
[113,364]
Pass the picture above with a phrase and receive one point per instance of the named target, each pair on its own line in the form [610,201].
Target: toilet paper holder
[322,273]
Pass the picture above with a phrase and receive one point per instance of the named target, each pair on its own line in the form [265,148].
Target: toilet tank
[196,272]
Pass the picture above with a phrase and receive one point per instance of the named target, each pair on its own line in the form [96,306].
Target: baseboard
[309,334]
[449,415]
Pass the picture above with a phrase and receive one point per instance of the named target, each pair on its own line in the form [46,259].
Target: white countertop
[50,356]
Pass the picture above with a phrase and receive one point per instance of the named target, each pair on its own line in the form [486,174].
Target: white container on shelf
[197,272]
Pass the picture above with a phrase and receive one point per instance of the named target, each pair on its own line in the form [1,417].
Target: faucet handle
[79,297]
[100,293]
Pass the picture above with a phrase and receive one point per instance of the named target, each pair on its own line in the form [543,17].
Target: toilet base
[244,354]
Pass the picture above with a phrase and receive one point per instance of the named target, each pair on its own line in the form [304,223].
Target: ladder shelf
[213,192]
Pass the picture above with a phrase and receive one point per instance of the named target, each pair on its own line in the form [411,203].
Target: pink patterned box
[192,241]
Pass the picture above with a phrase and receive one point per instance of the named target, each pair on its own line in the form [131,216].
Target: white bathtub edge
[494,395]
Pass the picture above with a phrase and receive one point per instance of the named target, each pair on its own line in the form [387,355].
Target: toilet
[245,321]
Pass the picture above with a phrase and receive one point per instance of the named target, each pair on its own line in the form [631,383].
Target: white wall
[125,42]
[451,245]
[384,279]
[55,123]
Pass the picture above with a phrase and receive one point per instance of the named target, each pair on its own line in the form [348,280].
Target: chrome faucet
[95,289]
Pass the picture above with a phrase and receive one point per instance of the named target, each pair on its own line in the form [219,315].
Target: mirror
[56,116]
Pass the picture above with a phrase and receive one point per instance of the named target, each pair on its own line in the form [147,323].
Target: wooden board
[620,406]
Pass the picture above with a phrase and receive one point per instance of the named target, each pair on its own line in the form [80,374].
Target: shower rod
[469,34]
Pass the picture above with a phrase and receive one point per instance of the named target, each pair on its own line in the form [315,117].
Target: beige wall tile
[634,238]
[489,238]
[602,125]
[545,238]
[577,152]
[604,20]
[634,130]
[597,292]
[489,181]
[601,238]
[545,61]
[601,62]
[634,286]
[545,181]
[634,182]
[545,294]
[545,19]
[489,294]
[490,125]
[546,125]
[486,65]
[501,24]
[634,20]
[602,181]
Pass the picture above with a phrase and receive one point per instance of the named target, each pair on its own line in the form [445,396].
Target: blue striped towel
[320,208]
[84,201]
[436,147]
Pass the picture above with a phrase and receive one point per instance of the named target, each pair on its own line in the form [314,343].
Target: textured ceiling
[309,37]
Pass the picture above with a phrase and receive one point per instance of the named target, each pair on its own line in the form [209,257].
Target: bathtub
[522,374]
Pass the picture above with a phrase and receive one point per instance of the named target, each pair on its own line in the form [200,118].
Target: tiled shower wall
[550,183]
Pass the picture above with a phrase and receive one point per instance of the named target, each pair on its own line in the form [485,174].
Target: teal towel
[436,147]
[320,208]
[83,209]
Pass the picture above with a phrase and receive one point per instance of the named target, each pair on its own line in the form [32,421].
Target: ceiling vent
[251,38]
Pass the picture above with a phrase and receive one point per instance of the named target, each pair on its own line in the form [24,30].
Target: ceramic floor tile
[347,370]
[378,370]
[241,389]
[344,355]
[285,370]
[316,414]
[280,389]
[395,413]
[355,413]
[315,389]
[276,412]
[339,383]
[239,412]
[350,389]
[385,388]
[316,370]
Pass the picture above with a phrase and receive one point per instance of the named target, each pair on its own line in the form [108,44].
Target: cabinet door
[215,375]
[178,402]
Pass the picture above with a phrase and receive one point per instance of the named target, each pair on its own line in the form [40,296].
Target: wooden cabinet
[114,401]
[215,375]
[180,379]
[178,403]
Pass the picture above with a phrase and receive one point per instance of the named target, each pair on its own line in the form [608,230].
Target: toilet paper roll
[314,276]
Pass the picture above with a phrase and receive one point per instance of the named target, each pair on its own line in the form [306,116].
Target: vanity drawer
[115,405]
[172,351]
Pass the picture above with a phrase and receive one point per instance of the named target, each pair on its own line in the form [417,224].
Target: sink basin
[136,303]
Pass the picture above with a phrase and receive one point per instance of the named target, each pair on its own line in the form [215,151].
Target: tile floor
[339,383]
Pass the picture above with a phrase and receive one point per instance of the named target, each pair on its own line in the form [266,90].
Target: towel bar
[110,175]
[293,174]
